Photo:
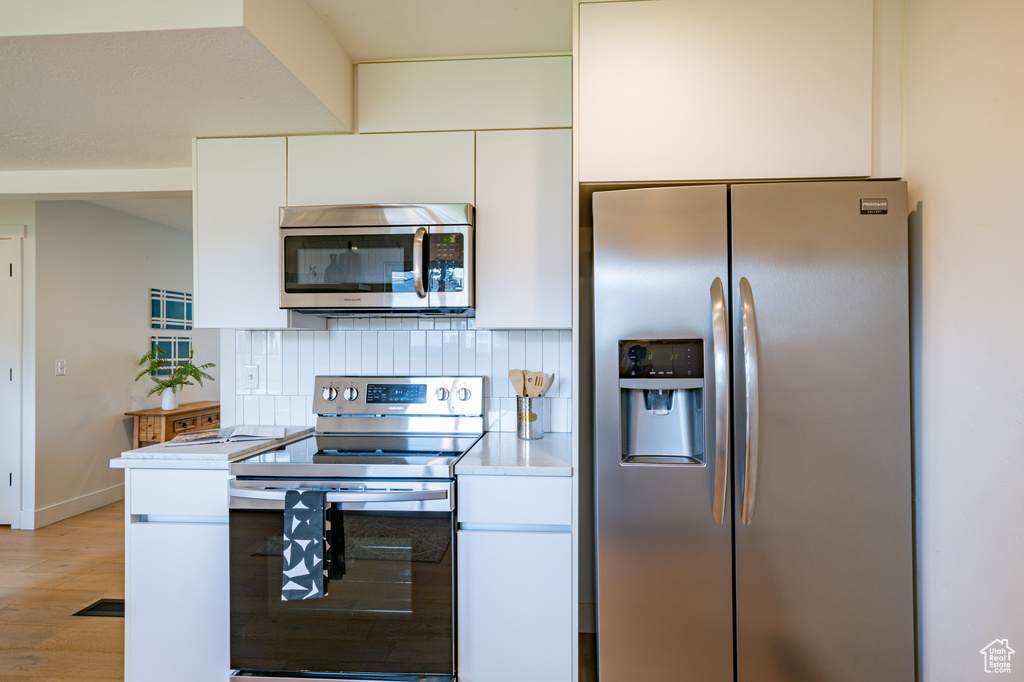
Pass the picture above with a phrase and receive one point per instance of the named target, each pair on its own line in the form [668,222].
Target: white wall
[94,268]
[964,161]
[289,360]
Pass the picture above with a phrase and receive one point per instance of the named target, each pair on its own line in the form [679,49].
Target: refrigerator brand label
[874,206]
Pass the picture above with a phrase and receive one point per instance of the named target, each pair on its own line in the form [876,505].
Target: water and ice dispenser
[661,394]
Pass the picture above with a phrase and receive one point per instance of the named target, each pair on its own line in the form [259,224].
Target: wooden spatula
[547,383]
[534,383]
[518,380]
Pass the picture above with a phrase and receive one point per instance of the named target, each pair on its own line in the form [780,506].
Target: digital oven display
[396,393]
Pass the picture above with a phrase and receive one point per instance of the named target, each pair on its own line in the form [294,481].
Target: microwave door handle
[348,496]
[417,262]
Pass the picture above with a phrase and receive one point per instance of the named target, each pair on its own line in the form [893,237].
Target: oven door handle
[348,496]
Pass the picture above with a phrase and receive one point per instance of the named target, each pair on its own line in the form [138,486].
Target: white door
[10,379]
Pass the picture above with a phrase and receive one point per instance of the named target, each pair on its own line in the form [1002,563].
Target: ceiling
[135,99]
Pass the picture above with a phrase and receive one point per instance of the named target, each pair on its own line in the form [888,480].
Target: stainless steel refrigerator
[752,433]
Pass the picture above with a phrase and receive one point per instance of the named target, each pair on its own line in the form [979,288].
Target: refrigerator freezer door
[824,582]
[664,576]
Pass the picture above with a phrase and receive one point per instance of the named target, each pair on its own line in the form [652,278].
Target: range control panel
[423,396]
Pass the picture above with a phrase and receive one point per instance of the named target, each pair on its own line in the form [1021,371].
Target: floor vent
[104,607]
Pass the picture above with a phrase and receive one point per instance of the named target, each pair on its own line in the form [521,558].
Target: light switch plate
[60,368]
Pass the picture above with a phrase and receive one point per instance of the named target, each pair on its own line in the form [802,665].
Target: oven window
[355,264]
[389,602]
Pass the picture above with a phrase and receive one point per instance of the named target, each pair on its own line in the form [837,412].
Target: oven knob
[441,394]
[463,393]
[351,393]
[330,393]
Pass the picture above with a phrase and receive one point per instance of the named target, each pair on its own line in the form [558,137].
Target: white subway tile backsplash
[565,366]
[550,358]
[297,409]
[275,373]
[369,345]
[435,353]
[321,352]
[534,350]
[450,352]
[354,352]
[338,346]
[259,342]
[500,386]
[267,405]
[251,410]
[467,353]
[243,341]
[289,360]
[517,349]
[306,373]
[417,352]
[386,353]
[282,410]
[401,352]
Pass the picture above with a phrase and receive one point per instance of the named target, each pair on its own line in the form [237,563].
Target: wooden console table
[159,426]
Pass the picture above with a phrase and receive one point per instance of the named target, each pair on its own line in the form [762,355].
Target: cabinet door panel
[177,608]
[240,184]
[515,606]
[403,168]
[524,229]
[681,90]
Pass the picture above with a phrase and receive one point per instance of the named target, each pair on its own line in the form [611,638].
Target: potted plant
[168,377]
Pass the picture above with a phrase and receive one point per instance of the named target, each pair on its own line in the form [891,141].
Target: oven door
[389,608]
[377,268]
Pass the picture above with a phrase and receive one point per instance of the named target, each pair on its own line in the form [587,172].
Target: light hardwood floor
[48,574]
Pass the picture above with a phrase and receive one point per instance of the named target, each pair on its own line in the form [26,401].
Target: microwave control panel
[446,262]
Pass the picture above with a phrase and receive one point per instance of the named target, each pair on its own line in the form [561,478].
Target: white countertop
[209,456]
[501,453]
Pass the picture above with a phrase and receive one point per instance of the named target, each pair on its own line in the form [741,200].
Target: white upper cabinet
[732,89]
[524,229]
[466,94]
[239,185]
[407,168]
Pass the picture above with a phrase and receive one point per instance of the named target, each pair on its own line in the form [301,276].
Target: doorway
[10,380]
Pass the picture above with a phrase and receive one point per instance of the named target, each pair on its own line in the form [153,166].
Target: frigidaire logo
[352,299]
[874,206]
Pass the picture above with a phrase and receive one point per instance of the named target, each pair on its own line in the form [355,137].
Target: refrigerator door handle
[720,340]
[749,319]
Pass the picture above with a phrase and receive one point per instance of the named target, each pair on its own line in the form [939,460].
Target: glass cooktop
[360,456]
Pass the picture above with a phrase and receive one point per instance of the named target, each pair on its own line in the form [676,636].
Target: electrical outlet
[61,368]
[252,376]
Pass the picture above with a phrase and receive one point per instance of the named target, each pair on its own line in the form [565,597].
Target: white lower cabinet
[176,588]
[515,567]
[515,606]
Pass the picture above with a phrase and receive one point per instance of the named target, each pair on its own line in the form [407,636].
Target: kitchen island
[514,501]
[176,557]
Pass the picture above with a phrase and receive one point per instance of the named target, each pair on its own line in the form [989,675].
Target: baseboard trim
[30,520]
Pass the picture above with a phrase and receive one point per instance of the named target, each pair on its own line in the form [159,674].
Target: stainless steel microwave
[377,258]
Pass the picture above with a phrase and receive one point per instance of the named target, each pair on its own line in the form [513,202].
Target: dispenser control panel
[661,359]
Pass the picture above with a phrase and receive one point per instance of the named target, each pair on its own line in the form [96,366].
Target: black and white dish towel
[303,576]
